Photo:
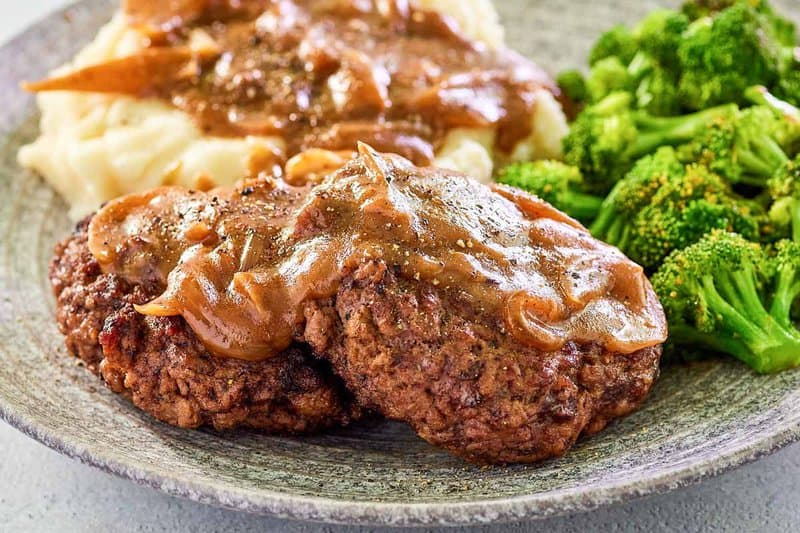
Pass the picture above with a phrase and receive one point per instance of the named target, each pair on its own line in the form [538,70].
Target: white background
[17,14]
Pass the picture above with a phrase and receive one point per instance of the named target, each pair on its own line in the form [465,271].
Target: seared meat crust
[426,357]
[161,366]
[406,349]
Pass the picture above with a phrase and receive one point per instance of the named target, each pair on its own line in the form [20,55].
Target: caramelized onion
[321,74]
[277,248]
[143,74]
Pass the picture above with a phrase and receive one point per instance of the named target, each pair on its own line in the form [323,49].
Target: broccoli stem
[794,211]
[661,131]
[787,289]
[753,335]
[612,104]
[609,225]
[763,159]
[621,235]
[682,334]
[760,95]
[612,230]
[583,206]
[605,219]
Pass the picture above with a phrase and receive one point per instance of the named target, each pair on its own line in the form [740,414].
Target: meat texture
[494,325]
[161,366]
[422,356]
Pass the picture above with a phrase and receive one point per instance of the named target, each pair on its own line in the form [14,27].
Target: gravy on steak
[322,74]
[241,264]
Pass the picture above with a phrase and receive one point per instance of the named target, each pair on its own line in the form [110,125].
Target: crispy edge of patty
[161,366]
[423,356]
[405,349]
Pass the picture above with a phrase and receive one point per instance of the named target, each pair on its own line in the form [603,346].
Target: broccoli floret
[787,128]
[556,183]
[598,140]
[654,86]
[573,85]
[660,33]
[617,42]
[697,9]
[744,148]
[713,147]
[658,230]
[721,57]
[608,137]
[657,93]
[715,294]
[757,144]
[784,188]
[632,194]
[662,206]
[607,76]
[683,210]
[783,29]
[788,87]
[786,271]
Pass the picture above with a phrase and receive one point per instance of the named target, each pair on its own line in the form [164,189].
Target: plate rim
[347,512]
[328,510]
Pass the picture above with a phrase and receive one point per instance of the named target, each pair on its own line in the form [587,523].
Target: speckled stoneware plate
[699,420]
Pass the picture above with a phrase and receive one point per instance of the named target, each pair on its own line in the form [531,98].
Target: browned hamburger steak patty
[161,366]
[418,354]
[493,324]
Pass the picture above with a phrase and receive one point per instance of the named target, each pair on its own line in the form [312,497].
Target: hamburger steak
[429,358]
[161,366]
[493,324]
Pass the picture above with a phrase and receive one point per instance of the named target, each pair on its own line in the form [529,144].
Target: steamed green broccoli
[641,61]
[697,9]
[653,87]
[783,28]
[662,205]
[729,295]
[608,137]
[788,87]
[598,141]
[721,56]
[556,183]
[744,147]
[657,92]
[703,56]
[659,34]
[573,85]
[633,193]
[786,271]
[683,210]
[787,128]
[607,76]
[784,188]
[617,42]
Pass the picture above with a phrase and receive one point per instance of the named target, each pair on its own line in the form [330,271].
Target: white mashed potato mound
[478,19]
[93,148]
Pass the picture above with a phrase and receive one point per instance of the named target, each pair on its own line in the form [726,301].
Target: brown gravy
[321,73]
[240,264]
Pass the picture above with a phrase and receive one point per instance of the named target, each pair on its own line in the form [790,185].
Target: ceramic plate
[700,420]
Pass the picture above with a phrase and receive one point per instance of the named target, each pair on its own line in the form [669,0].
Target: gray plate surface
[699,421]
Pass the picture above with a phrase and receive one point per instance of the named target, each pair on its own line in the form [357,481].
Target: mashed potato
[94,148]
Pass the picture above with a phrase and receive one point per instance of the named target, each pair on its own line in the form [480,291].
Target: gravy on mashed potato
[242,264]
[321,74]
